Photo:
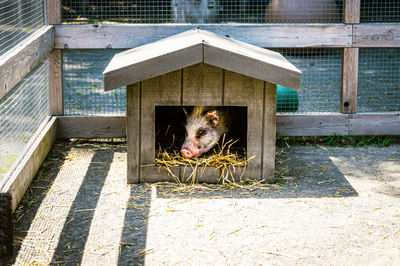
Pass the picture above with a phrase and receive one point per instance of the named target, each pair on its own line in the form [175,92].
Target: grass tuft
[338,141]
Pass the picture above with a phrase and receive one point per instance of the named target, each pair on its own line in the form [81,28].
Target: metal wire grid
[378,80]
[22,111]
[18,19]
[202,11]
[84,95]
[83,84]
[380,11]
[321,81]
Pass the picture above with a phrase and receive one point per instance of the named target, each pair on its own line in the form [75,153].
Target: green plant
[338,141]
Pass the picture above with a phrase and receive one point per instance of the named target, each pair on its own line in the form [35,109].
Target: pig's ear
[213,117]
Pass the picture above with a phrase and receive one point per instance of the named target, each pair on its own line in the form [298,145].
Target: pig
[204,128]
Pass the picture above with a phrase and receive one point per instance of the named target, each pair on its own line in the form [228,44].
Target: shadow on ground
[299,173]
[68,244]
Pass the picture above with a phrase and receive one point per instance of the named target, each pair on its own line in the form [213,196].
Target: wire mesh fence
[84,95]
[202,11]
[321,81]
[22,111]
[379,80]
[83,84]
[380,11]
[18,19]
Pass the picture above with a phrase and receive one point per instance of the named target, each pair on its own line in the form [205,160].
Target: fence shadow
[47,232]
[133,239]
[29,205]
[75,232]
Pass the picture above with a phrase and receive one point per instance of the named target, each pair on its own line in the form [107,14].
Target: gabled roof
[197,46]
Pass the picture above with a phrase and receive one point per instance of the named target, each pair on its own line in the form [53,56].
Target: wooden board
[56,84]
[23,58]
[133,132]
[54,12]
[374,124]
[163,90]
[312,125]
[269,133]
[316,124]
[376,35]
[202,85]
[263,35]
[352,11]
[242,90]
[19,178]
[91,127]
[349,81]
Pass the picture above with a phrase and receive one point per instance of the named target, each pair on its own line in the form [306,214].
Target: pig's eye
[200,133]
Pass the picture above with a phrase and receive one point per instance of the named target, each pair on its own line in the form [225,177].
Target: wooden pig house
[195,68]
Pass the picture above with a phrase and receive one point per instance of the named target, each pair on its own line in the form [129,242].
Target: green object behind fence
[287,99]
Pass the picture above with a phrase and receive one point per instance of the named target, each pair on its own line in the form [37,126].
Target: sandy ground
[331,206]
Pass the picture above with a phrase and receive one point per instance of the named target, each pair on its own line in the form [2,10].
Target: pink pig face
[203,131]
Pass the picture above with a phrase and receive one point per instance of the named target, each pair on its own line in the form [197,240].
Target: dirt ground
[330,206]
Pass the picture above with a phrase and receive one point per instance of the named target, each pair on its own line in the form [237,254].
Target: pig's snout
[190,151]
[186,153]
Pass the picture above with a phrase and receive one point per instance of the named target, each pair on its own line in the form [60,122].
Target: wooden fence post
[54,17]
[348,100]
[56,84]
[54,12]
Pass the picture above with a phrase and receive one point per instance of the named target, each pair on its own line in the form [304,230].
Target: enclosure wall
[25,43]
[347,68]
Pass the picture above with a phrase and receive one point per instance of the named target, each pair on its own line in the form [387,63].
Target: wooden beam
[269,128]
[20,176]
[348,99]
[263,35]
[133,129]
[91,127]
[376,35]
[316,124]
[374,124]
[56,84]
[311,125]
[19,61]
[54,12]
[349,81]
[352,11]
